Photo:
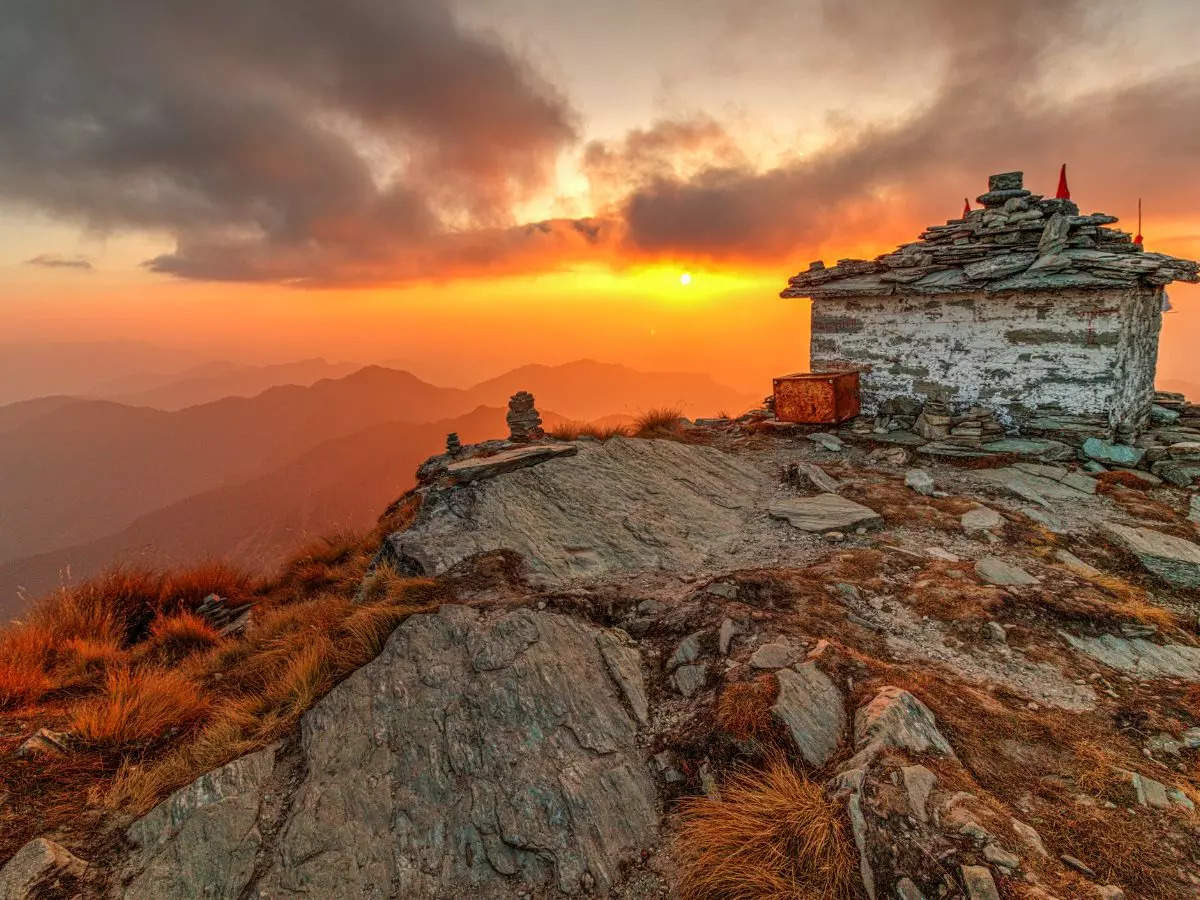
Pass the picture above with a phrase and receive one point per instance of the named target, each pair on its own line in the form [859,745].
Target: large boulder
[41,868]
[616,506]
[480,755]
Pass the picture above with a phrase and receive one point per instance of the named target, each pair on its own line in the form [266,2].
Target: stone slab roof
[1017,241]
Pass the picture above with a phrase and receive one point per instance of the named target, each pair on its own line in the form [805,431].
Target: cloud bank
[378,141]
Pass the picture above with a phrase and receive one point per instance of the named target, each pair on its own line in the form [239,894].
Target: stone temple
[1023,307]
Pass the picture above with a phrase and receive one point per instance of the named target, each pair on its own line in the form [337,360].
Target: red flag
[1137,238]
[966,207]
[1064,192]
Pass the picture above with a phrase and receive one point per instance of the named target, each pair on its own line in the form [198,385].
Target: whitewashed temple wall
[1089,351]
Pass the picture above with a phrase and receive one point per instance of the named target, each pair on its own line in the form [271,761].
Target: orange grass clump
[180,635]
[744,710]
[138,707]
[769,835]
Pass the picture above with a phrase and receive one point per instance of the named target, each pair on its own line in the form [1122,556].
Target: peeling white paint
[1090,351]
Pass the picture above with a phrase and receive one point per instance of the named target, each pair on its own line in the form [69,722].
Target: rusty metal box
[817,398]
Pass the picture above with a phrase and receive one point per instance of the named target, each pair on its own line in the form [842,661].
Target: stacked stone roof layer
[1017,241]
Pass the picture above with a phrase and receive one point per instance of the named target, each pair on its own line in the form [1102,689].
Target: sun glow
[685,278]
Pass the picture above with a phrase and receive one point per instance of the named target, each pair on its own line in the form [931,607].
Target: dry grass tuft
[666,424]
[1112,480]
[172,638]
[573,431]
[769,835]
[138,707]
[744,710]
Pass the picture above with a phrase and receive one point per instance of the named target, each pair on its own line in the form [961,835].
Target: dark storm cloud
[273,139]
[993,111]
[54,261]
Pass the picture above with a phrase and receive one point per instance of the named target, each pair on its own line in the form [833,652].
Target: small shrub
[138,707]
[769,834]
[744,710]
[180,635]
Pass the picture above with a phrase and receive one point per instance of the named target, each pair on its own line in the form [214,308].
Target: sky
[463,187]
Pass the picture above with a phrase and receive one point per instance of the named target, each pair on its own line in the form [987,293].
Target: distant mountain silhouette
[233,381]
[78,473]
[343,483]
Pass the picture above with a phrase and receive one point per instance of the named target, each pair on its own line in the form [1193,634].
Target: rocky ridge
[986,675]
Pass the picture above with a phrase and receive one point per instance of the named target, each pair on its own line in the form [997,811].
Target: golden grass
[263,681]
[174,637]
[138,707]
[665,424]
[573,431]
[744,709]
[769,835]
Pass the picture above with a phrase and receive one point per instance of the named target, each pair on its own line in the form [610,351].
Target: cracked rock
[478,755]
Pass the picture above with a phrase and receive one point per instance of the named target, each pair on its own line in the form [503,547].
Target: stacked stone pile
[934,422]
[1052,421]
[1018,240]
[975,427]
[524,423]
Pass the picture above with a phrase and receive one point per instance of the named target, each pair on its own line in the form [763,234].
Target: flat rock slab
[621,505]
[1035,488]
[1138,656]
[824,512]
[1114,454]
[480,467]
[994,570]
[1172,559]
[479,755]
[981,518]
[1032,448]
[812,709]
[33,870]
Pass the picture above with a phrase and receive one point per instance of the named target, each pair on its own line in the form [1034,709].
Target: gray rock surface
[617,506]
[772,656]
[920,481]
[1174,560]
[33,871]
[813,711]
[1140,656]
[981,518]
[1036,488]
[824,512]
[996,571]
[478,468]
[897,719]
[919,782]
[979,883]
[478,755]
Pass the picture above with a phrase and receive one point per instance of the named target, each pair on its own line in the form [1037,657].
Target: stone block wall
[1088,351]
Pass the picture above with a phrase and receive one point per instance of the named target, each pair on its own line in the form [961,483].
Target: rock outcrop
[479,755]
[616,506]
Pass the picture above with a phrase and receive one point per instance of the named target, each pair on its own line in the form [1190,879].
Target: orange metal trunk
[817,398]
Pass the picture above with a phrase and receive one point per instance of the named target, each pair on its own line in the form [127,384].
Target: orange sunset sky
[464,187]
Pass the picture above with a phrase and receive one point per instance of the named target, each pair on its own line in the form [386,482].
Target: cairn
[975,427]
[524,423]
[453,444]
[934,422]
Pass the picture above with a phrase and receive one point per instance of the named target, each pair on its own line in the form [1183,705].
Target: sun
[685,278]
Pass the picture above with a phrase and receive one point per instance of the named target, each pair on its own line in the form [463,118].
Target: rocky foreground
[987,660]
